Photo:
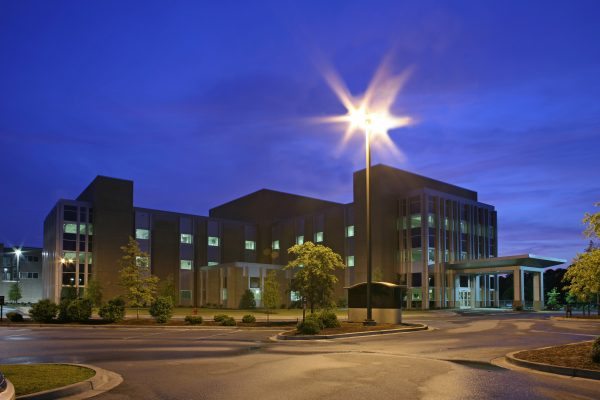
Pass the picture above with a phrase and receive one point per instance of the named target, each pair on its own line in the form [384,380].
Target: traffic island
[52,381]
[353,329]
[570,360]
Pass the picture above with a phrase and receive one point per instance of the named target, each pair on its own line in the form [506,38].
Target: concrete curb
[554,369]
[101,382]
[110,326]
[596,320]
[9,393]
[410,328]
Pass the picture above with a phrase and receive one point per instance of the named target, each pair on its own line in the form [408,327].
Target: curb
[410,328]
[110,326]
[596,320]
[554,369]
[9,393]
[101,382]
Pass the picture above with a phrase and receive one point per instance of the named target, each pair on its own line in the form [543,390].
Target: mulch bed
[351,327]
[571,356]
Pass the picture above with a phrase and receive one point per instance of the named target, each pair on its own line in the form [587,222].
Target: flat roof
[522,260]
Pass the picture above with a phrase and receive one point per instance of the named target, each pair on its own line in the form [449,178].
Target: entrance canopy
[505,263]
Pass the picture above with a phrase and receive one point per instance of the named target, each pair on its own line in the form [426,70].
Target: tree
[583,275]
[15,294]
[553,299]
[93,292]
[135,277]
[314,279]
[162,309]
[271,296]
[247,301]
[167,289]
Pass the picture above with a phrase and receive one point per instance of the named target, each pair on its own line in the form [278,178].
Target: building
[426,235]
[28,272]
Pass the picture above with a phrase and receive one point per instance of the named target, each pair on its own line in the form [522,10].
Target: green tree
[93,292]
[162,309]
[553,299]
[271,296]
[247,302]
[15,294]
[168,289]
[314,279]
[135,277]
[583,276]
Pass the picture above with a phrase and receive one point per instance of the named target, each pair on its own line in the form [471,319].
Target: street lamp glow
[18,252]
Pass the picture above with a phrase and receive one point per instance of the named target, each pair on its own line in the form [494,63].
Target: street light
[18,253]
[371,114]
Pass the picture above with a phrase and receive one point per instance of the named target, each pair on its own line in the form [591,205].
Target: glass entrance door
[464,299]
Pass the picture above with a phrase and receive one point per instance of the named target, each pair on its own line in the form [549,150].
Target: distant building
[424,234]
[28,272]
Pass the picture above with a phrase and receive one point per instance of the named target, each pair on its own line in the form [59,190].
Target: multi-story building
[22,264]
[423,233]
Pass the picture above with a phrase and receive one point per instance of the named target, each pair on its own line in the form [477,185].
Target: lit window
[211,263]
[415,221]
[431,220]
[350,261]
[350,231]
[295,296]
[213,241]
[300,239]
[464,226]
[318,237]
[70,228]
[185,264]
[142,234]
[82,229]
[275,245]
[250,245]
[187,238]
[90,229]
[224,294]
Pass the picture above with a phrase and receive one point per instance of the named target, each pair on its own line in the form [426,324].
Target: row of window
[186,238]
[29,275]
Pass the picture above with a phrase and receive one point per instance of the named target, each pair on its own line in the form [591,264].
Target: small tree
[162,309]
[247,302]
[314,279]
[93,292]
[553,299]
[15,294]
[135,276]
[167,288]
[271,296]
[583,275]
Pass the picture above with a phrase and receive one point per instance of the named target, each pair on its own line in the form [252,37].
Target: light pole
[18,253]
[369,320]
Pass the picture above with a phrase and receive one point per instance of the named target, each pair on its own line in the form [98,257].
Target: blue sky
[201,102]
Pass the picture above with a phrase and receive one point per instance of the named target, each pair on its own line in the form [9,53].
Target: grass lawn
[260,314]
[577,355]
[31,378]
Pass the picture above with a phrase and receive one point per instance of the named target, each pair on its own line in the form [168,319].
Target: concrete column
[518,289]
[538,291]
[474,284]
[496,291]
[486,290]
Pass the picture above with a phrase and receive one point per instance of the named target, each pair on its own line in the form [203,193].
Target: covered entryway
[476,282]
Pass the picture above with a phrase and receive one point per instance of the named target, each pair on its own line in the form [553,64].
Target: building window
[224,294]
[142,234]
[70,213]
[318,237]
[187,238]
[213,241]
[275,245]
[142,261]
[254,283]
[211,263]
[185,295]
[300,239]
[250,245]
[70,228]
[415,221]
[29,275]
[350,261]
[350,231]
[295,296]
[185,264]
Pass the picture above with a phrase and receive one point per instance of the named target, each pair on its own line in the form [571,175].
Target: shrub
[247,302]
[596,350]
[43,311]
[248,319]
[78,310]
[229,321]
[329,319]
[220,317]
[14,317]
[193,319]
[113,311]
[342,303]
[162,309]
[310,326]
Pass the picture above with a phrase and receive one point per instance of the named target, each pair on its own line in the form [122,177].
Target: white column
[473,289]
[518,295]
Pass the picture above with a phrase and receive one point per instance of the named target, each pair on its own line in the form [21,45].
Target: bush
[248,319]
[162,309]
[310,326]
[43,311]
[193,319]
[342,303]
[220,317]
[329,319]
[14,317]
[247,302]
[229,321]
[78,310]
[596,350]
[113,311]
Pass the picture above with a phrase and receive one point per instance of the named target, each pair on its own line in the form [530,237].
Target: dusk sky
[201,102]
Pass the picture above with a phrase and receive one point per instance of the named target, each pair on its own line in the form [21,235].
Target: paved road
[452,361]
